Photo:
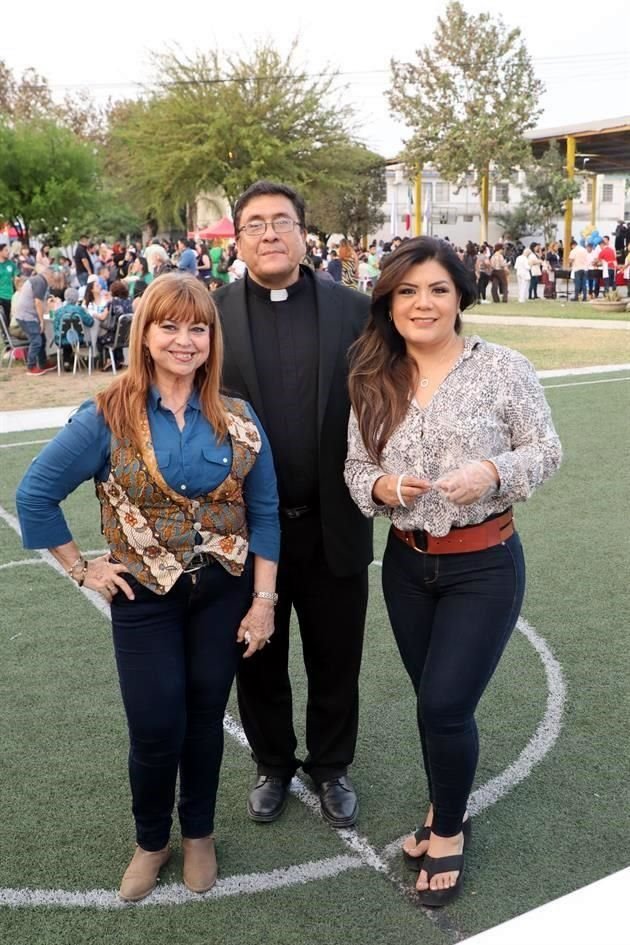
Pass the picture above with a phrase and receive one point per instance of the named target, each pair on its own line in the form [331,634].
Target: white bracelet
[401,501]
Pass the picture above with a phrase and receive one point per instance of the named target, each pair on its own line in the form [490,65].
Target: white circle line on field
[365,855]
[175,894]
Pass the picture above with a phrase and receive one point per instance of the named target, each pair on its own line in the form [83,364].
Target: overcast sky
[581,51]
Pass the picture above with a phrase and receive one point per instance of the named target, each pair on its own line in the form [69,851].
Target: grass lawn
[549,348]
[543,308]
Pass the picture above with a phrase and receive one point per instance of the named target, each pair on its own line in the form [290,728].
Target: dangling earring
[389,315]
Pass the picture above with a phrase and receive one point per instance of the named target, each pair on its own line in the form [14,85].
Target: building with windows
[456,213]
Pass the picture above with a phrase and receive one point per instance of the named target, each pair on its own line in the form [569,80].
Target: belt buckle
[191,568]
[420,541]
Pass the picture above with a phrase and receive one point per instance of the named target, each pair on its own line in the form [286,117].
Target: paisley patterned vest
[153,530]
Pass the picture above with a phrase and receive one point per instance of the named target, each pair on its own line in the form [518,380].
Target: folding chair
[121,337]
[11,344]
[72,328]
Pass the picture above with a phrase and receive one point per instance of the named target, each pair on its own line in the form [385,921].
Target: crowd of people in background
[99,282]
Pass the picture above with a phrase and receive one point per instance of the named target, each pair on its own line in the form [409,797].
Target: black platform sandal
[441,864]
[424,833]
[415,862]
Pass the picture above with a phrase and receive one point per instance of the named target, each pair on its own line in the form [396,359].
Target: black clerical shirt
[286,348]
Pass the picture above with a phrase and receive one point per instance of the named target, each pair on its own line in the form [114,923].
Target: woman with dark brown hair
[189,510]
[446,433]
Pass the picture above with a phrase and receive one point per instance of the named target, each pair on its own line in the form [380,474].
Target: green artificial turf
[66,820]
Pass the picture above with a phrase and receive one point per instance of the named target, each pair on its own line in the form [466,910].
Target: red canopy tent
[222,229]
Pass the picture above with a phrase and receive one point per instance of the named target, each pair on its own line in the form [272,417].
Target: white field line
[8,446]
[101,605]
[175,894]
[607,380]
[576,372]
[18,564]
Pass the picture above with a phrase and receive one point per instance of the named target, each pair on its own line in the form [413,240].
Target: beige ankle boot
[200,864]
[141,875]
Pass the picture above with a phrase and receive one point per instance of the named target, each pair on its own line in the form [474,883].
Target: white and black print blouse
[491,406]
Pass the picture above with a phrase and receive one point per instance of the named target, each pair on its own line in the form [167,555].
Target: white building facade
[456,213]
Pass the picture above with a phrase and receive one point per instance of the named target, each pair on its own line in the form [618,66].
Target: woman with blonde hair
[188,500]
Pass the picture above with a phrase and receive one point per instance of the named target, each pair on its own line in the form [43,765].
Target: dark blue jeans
[176,656]
[452,616]
[579,282]
[36,356]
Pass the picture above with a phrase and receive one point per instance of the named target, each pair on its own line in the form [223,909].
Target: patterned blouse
[490,406]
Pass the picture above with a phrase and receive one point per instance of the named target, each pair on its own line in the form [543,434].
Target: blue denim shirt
[191,461]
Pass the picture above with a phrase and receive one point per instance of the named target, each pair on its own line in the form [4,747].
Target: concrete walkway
[607,325]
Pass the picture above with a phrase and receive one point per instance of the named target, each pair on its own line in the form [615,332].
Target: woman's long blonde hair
[176,297]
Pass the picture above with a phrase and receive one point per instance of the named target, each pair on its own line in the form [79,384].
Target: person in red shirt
[608,255]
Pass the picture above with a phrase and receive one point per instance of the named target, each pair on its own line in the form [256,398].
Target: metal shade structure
[592,148]
[222,229]
[602,146]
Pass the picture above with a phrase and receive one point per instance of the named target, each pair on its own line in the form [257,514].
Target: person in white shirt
[579,259]
[523,275]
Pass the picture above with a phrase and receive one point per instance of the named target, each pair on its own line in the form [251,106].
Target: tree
[468,99]
[25,99]
[517,223]
[347,194]
[547,190]
[223,123]
[46,175]
[105,215]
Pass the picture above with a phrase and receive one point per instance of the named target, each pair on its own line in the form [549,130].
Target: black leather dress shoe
[267,799]
[339,801]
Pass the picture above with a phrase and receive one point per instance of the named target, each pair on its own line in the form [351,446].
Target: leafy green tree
[46,175]
[347,194]
[213,122]
[518,223]
[547,189]
[106,216]
[468,99]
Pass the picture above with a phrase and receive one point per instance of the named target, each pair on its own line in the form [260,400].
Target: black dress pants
[331,616]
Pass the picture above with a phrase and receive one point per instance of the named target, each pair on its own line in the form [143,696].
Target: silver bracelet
[401,501]
[267,595]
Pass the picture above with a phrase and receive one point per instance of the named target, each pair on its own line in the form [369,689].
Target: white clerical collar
[278,295]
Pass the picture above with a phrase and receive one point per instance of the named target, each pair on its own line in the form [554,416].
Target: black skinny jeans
[176,656]
[452,616]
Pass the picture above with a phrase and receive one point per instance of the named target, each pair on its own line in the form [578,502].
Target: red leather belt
[461,540]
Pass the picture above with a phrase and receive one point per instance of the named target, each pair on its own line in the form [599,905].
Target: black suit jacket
[341,314]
